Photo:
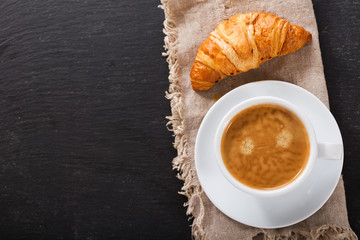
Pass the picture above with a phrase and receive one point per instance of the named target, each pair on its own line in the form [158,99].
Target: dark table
[84,151]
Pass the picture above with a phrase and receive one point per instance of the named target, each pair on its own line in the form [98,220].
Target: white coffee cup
[317,150]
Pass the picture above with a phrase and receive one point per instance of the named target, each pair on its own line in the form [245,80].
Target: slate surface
[84,152]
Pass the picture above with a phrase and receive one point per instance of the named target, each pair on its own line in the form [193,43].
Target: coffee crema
[265,146]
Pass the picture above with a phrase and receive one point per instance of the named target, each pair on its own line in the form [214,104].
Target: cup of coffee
[266,146]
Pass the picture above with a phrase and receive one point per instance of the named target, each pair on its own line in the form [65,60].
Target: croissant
[242,43]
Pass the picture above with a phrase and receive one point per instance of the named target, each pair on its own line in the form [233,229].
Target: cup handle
[332,151]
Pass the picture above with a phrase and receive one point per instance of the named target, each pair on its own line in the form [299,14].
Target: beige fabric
[187,24]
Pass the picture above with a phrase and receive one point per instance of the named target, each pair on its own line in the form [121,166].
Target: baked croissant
[242,43]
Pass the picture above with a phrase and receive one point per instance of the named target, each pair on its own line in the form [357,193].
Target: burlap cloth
[187,24]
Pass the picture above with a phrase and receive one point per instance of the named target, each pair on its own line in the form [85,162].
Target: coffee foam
[284,138]
[247,146]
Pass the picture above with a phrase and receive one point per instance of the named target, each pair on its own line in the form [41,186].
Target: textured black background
[84,152]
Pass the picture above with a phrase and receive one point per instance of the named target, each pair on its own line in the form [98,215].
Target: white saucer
[281,211]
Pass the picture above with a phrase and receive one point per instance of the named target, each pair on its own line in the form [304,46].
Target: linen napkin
[187,24]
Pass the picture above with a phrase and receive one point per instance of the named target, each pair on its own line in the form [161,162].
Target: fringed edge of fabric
[176,123]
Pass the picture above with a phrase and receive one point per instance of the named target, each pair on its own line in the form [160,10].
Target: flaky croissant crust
[242,43]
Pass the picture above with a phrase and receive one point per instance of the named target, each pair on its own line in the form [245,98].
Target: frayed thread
[176,125]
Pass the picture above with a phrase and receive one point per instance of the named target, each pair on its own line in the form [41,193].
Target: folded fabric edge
[316,233]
